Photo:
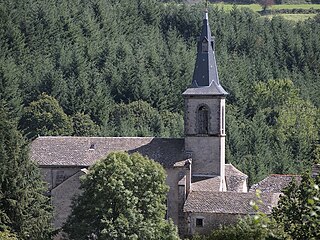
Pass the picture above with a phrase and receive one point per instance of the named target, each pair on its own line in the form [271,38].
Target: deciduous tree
[298,210]
[83,125]
[45,117]
[123,198]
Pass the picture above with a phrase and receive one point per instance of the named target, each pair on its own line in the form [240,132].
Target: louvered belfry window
[204,45]
[203,120]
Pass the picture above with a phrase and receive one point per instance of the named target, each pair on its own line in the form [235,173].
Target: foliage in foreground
[298,210]
[123,198]
[6,235]
[250,228]
[24,210]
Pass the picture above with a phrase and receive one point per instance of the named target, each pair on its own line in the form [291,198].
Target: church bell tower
[204,122]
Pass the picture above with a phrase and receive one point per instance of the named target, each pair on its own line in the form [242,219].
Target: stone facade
[62,197]
[209,221]
[215,106]
[56,175]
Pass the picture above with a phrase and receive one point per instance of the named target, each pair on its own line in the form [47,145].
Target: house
[204,191]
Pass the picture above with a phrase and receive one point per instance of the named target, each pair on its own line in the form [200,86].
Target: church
[205,192]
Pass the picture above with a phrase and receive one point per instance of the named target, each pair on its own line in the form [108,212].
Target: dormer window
[92,146]
[205,46]
[203,120]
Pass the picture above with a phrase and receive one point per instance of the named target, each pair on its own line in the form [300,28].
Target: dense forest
[118,68]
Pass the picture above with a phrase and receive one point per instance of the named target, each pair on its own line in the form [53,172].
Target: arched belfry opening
[203,119]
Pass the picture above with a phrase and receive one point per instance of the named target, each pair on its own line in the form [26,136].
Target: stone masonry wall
[210,221]
[56,175]
[62,197]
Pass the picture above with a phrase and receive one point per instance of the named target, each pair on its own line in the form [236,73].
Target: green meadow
[292,17]
[257,7]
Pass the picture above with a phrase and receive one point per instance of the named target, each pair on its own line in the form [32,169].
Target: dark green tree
[123,198]
[135,119]
[83,125]
[24,209]
[45,117]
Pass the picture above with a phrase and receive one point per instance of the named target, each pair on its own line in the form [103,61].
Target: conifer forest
[119,67]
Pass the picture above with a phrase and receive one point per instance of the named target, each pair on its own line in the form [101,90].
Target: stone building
[204,191]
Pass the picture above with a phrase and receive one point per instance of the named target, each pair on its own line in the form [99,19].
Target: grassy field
[293,17]
[296,6]
[257,7]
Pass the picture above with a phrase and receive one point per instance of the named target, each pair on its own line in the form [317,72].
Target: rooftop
[274,183]
[208,185]
[228,202]
[84,151]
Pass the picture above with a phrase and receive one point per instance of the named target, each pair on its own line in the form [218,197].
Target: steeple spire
[205,72]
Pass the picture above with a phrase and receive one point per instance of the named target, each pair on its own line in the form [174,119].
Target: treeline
[118,68]
[245,1]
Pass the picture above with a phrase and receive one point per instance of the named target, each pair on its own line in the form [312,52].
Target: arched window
[203,120]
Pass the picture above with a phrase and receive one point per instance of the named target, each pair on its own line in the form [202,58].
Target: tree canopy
[123,198]
[103,57]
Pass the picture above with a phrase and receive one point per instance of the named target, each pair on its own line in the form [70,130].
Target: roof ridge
[285,175]
[83,137]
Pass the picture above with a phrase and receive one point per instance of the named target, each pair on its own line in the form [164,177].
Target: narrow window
[199,222]
[60,177]
[222,121]
[203,120]
[205,45]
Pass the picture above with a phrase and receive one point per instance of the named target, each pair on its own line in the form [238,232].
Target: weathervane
[206,5]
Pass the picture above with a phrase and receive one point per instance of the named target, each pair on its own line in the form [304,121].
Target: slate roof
[84,151]
[231,170]
[214,89]
[207,185]
[228,202]
[274,183]
[234,178]
[205,76]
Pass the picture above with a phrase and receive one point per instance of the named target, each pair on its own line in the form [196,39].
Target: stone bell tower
[205,112]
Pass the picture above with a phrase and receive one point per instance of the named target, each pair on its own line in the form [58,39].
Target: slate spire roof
[205,76]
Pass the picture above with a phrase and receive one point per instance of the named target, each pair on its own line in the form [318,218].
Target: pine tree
[24,209]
